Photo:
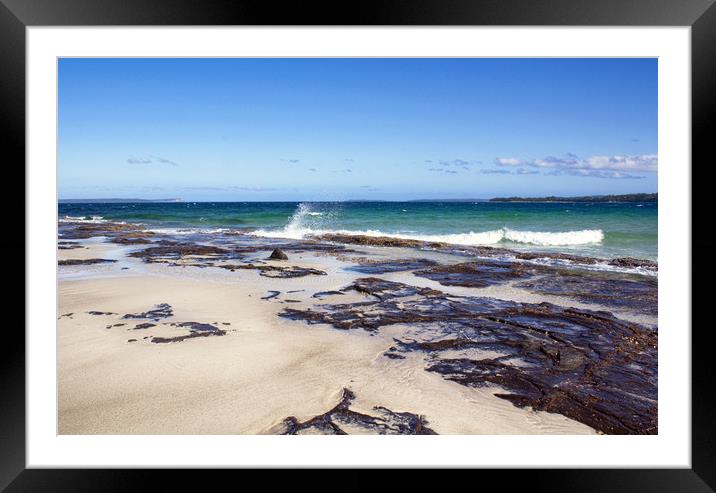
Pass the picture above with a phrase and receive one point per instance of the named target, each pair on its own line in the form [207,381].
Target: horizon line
[432,199]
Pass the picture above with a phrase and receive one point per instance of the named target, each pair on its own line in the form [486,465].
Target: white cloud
[644,162]
[508,161]
[617,166]
[494,172]
[150,160]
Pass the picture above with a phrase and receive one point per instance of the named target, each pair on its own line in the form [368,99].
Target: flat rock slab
[323,294]
[162,310]
[68,245]
[133,238]
[587,365]
[479,274]
[638,294]
[271,294]
[85,261]
[177,251]
[381,267]
[77,231]
[196,329]
[634,292]
[275,271]
[142,326]
[196,326]
[191,335]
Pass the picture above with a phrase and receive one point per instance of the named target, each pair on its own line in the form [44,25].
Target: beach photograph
[352,246]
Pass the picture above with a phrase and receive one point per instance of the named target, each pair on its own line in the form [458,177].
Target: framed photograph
[459,234]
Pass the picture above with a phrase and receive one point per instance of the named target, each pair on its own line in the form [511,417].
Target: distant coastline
[114,201]
[631,197]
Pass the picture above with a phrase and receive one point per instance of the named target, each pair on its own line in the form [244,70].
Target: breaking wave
[297,228]
[83,219]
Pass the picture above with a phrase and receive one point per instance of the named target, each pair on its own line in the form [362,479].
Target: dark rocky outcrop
[333,422]
[278,254]
[587,365]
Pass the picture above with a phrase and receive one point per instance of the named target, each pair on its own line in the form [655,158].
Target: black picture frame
[16,15]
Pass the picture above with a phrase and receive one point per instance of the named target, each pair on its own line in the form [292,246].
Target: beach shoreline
[203,334]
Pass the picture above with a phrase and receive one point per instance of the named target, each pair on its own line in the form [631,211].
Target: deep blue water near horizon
[596,229]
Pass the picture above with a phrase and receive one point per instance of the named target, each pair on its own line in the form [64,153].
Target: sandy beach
[125,365]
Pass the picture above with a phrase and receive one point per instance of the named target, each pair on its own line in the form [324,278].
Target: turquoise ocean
[604,230]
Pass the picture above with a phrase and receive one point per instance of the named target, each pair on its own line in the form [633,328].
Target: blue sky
[338,129]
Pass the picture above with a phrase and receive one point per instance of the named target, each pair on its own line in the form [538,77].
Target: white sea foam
[604,266]
[83,219]
[582,237]
[189,231]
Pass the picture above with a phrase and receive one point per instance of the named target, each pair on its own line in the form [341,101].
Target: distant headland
[630,197]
